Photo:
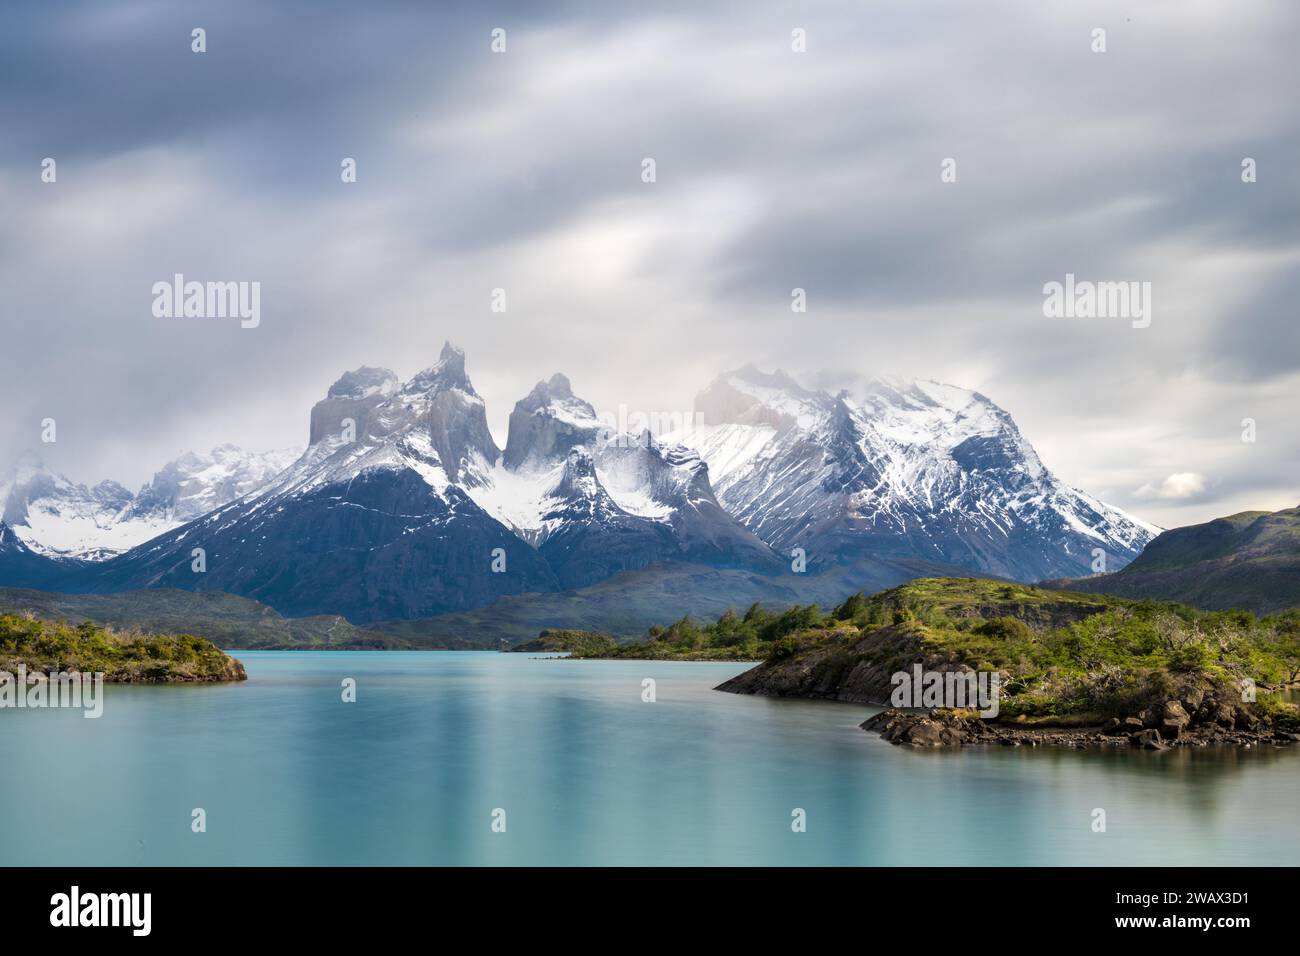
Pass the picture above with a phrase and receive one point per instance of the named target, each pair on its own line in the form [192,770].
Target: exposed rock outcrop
[1176,728]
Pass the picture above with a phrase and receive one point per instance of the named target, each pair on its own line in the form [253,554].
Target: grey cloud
[775,170]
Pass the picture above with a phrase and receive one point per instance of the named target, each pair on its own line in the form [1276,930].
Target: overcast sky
[522,170]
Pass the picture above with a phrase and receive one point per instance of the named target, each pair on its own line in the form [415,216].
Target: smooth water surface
[587,773]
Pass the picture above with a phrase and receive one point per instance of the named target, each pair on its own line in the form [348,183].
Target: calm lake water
[587,774]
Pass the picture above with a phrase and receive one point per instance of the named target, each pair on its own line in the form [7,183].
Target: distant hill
[624,606]
[1248,561]
[628,604]
[230,622]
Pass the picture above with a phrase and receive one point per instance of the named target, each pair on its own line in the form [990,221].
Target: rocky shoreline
[226,670]
[1161,727]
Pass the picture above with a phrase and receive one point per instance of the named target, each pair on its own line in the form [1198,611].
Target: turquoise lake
[587,773]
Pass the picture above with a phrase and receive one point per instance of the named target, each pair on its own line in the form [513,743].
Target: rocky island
[1073,670]
[37,645]
[575,643]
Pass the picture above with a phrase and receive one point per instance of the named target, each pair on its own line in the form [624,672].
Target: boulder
[1173,720]
[924,733]
[941,729]
[1216,712]
[1117,727]
[1242,719]
[1191,698]
[1144,737]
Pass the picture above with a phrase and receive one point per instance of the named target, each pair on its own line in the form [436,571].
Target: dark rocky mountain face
[371,528]
[381,545]
[592,537]
[24,568]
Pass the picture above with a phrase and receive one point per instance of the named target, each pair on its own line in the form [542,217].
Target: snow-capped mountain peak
[434,425]
[557,447]
[348,402]
[916,468]
[570,484]
[749,396]
[57,517]
[548,422]
[364,382]
[447,373]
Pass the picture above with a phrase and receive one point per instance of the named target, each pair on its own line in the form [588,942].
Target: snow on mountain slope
[916,469]
[534,472]
[403,506]
[572,486]
[435,426]
[193,485]
[54,516]
[372,521]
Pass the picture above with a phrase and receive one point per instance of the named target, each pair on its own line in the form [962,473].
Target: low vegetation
[576,643]
[751,636]
[1065,657]
[1086,656]
[121,656]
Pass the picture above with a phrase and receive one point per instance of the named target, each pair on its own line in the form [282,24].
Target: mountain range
[59,518]
[403,507]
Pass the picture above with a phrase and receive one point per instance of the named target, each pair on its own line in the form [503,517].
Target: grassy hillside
[123,657]
[1248,561]
[760,633]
